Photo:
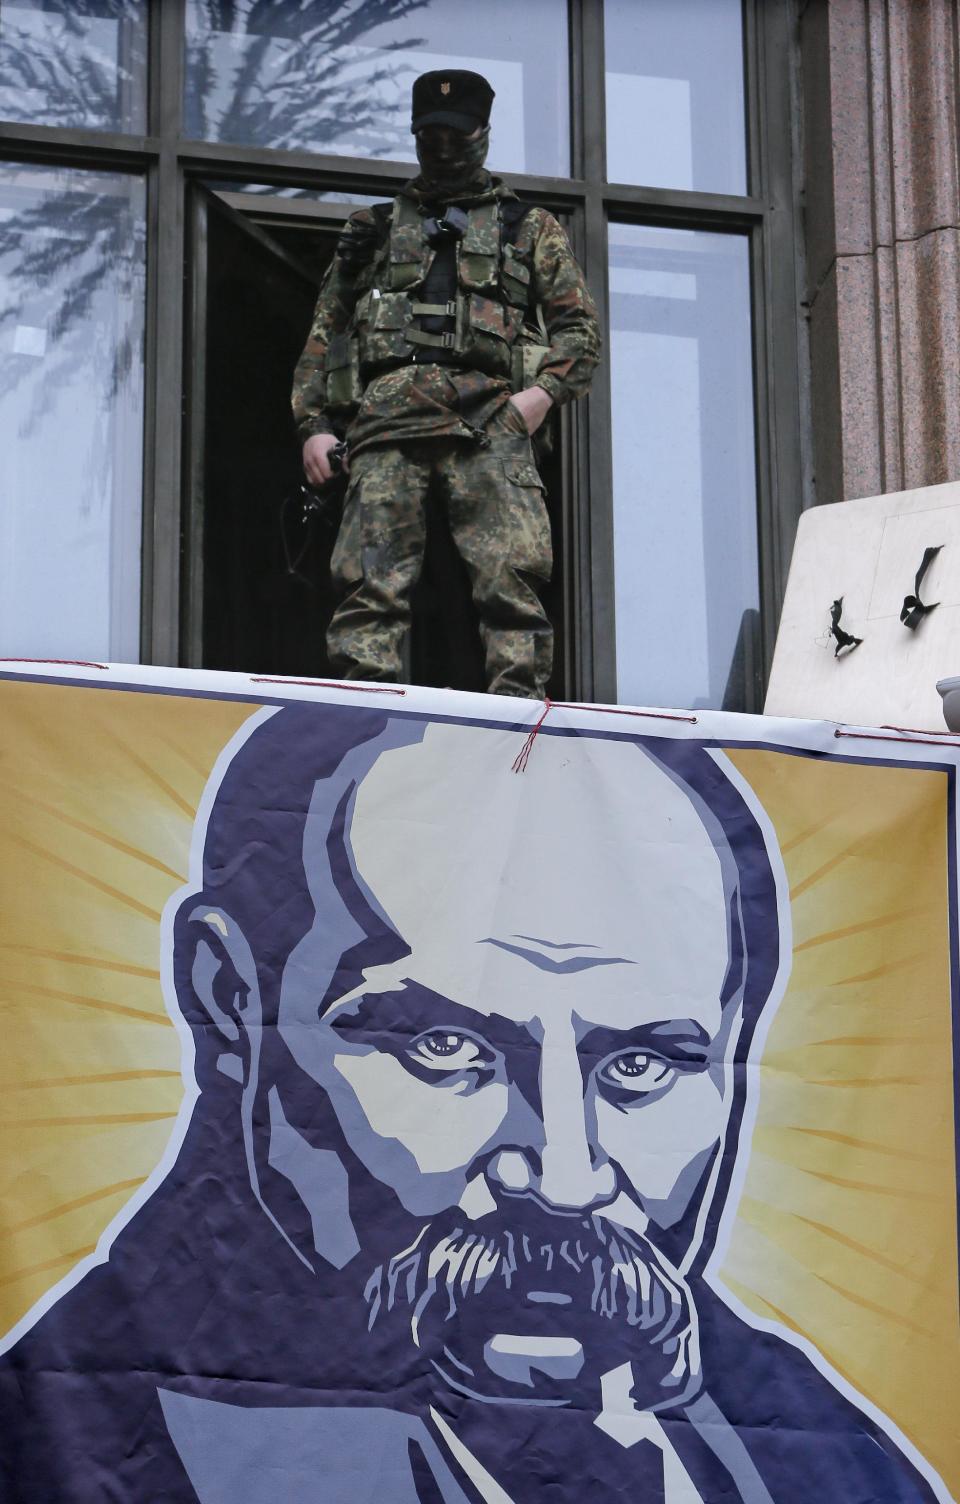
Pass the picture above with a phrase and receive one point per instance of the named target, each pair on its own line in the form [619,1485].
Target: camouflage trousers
[493,498]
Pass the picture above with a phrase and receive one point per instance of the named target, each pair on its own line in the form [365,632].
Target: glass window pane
[350,200]
[674,83]
[335,76]
[74,63]
[72,256]
[684,475]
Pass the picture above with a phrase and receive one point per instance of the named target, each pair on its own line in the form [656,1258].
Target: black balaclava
[451,161]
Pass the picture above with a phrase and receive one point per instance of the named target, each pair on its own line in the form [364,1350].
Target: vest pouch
[516,282]
[479,272]
[408,249]
[383,333]
[492,330]
[479,258]
[341,368]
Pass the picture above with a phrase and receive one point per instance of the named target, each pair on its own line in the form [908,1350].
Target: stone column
[882,219]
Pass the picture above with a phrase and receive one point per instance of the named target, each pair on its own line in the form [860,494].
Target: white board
[868,551]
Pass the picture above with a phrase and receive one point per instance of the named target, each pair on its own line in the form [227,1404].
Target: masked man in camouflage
[449,324]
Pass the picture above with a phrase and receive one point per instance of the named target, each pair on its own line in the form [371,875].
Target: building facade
[764,195]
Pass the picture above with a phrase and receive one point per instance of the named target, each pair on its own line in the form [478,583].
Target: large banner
[409,1096]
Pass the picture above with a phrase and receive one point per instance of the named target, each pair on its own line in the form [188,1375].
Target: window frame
[768,215]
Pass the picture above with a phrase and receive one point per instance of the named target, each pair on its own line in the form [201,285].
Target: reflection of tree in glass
[74,63]
[288,79]
[80,64]
[65,245]
[72,263]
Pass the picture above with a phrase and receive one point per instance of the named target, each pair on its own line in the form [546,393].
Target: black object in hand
[306,506]
[326,502]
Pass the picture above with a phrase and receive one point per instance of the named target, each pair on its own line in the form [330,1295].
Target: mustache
[594,1268]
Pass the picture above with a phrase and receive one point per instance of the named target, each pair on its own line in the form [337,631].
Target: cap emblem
[445,88]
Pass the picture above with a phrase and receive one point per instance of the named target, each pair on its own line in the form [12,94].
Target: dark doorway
[258,595]
[249,609]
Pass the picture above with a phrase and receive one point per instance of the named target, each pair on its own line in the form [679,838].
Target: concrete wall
[881,84]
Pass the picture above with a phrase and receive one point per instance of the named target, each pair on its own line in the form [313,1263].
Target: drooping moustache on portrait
[520,1307]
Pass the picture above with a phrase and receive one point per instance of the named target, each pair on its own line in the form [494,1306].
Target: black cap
[456,98]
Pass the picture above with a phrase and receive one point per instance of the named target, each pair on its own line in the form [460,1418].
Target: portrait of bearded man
[473,1056]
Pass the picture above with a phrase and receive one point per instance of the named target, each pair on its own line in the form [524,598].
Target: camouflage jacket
[419,401]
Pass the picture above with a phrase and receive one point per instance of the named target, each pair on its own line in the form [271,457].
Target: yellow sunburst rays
[98,792]
[847,1229]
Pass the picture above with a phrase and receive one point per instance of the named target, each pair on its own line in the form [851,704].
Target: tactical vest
[480,327]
